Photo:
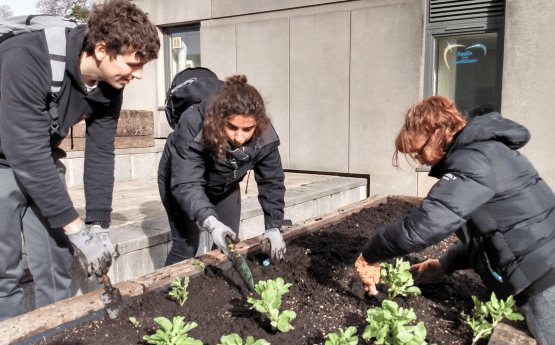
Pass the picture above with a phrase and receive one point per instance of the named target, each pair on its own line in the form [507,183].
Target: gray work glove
[97,259]
[273,245]
[102,235]
[219,231]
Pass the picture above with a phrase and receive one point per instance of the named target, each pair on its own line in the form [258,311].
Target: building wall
[337,79]
[338,75]
[529,78]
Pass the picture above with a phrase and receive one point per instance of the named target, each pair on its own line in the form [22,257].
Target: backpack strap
[56,42]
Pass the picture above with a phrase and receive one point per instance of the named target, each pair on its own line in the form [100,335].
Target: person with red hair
[490,196]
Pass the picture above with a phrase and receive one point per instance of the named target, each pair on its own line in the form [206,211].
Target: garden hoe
[240,264]
[111,298]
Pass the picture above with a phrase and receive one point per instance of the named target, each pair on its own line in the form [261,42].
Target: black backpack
[190,86]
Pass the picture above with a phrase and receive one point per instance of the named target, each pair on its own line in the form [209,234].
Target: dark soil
[326,294]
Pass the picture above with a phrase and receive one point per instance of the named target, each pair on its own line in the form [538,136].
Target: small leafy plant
[235,339]
[199,265]
[179,291]
[135,322]
[346,337]
[398,279]
[172,333]
[494,310]
[389,325]
[271,292]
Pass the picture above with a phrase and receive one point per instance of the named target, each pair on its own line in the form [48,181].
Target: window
[182,50]
[467,71]
[464,53]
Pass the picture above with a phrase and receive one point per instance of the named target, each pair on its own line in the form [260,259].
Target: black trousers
[187,239]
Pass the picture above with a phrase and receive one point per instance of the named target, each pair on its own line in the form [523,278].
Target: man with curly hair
[102,57]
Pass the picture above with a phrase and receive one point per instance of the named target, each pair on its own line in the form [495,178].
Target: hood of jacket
[488,127]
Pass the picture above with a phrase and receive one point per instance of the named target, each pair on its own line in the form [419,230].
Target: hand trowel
[238,261]
[111,298]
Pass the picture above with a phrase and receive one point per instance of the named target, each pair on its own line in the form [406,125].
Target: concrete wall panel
[226,8]
[143,94]
[319,91]
[529,78]
[218,49]
[386,59]
[263,56]
[166,12]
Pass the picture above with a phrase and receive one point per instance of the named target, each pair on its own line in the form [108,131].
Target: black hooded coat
[490,195]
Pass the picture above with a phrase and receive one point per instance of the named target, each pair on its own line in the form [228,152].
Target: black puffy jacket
[493,198]
[194,172]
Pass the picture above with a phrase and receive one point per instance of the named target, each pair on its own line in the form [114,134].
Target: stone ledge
[135,130]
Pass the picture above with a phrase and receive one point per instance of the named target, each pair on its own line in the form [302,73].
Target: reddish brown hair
[434,121]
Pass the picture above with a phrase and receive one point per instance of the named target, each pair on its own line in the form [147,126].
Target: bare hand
[426,271]
[370,274]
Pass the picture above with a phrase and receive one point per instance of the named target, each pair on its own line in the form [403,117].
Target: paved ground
[139,199]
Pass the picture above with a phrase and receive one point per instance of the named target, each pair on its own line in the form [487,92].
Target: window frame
[453,28]
[168,32]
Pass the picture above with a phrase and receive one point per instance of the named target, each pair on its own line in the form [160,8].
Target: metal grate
[450,10]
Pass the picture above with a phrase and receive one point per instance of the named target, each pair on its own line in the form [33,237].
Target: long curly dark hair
[236,98]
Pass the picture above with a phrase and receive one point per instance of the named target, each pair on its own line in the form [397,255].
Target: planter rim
[71,310]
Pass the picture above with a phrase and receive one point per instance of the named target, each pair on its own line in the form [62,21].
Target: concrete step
[141,231]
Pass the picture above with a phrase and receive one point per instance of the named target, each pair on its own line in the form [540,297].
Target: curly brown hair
[237,97]
[429,128]
[123,27]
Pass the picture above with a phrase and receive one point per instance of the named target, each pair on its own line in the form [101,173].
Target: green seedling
[235,339]
[172,333]
[135,322]
[199,265]
[398,279]
[179,291]
[271,292]
[485,316]
[343,338]
[390,325]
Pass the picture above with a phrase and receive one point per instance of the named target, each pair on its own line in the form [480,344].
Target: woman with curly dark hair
[490,195]
[211,150]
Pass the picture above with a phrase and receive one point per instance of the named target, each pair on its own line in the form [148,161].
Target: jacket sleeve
[270,178]
[188,168]
[99,160]
[25,133]
[468,183]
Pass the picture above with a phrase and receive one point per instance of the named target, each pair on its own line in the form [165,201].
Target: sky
[20,7]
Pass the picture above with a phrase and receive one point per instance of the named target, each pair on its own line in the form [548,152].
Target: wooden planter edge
[54,315]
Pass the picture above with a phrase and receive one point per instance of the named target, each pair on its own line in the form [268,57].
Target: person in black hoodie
[211,150]
[490,195]
[101,58]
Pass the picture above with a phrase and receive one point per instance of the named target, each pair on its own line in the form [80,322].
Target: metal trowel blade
[112,302]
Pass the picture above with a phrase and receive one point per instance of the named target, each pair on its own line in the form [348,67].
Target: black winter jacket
[195,173]
[26,145]
[493,198]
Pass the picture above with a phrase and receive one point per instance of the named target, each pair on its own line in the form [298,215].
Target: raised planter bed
[326,292]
